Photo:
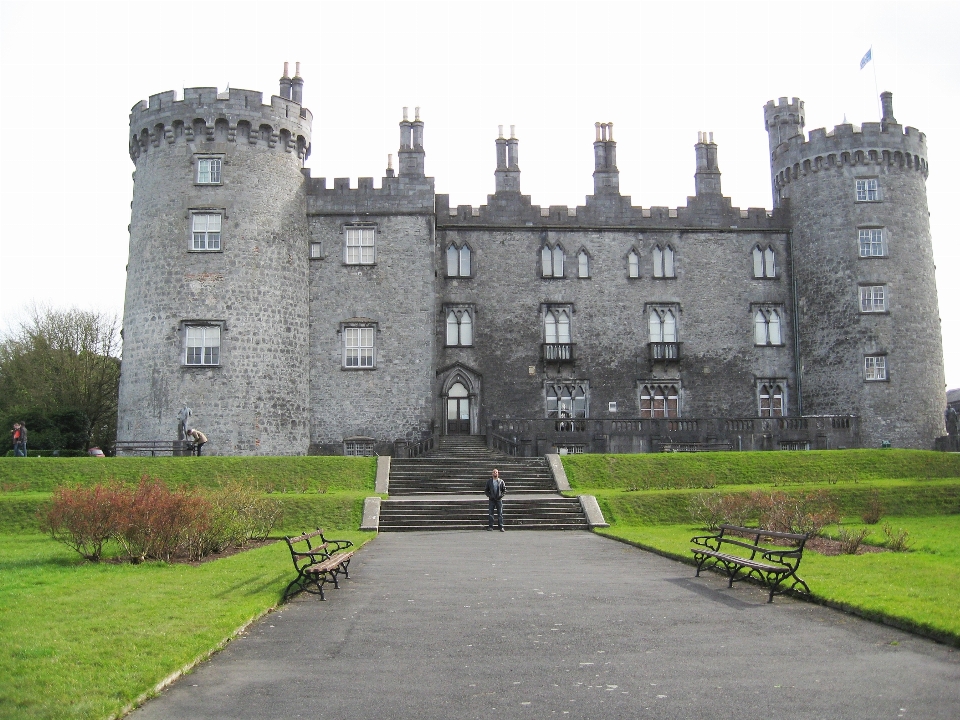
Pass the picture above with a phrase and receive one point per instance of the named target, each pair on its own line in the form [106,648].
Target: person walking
[19,434]
[495,491]
[199,439]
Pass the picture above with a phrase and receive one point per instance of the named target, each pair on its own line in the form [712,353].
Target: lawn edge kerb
[940,636]
[188,667]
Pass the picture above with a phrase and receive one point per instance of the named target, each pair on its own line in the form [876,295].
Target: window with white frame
[770,396]
[764,262]
[358,346]
[556,334]
[633,264]
[459,327]
[663,325]
[663,262]
[873,298]
[660,400]
[767,327]
[551,261]
[868,190]
[201,344]
[360,245]
[459,261]
[872,242]
[316,250]
[874,367]
[208,171]
[205,231]
[583,264]
[569,399]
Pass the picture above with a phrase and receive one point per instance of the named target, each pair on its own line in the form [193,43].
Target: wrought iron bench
[319,564]
[737,552]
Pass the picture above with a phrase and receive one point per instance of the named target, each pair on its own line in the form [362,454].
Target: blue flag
[866,58]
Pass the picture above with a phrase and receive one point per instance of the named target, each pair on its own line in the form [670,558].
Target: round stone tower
[869,339]
[216,317]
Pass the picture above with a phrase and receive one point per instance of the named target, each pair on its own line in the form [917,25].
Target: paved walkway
[558,624]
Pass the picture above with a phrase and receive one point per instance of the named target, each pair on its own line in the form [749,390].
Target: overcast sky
[661,72]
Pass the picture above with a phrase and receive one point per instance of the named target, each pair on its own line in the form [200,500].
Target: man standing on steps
[495,492]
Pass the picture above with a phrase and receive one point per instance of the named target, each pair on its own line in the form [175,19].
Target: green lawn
[916,590]
[84,640]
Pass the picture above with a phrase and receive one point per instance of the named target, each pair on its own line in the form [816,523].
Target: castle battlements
[515,210]
[872,143]
[396,194]
[207,115]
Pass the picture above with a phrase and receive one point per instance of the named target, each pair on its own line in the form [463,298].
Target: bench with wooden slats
[318,564]
[773,567]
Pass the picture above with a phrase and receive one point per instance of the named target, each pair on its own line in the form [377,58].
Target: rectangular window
[202,345]
[316,250]
[868,190]
[872,242]
[358,347]
[873,299]
[208,171]
[361,246]
[875,367]
[358,447]
[206,231]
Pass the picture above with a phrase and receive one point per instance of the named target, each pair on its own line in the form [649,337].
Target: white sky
[70,72]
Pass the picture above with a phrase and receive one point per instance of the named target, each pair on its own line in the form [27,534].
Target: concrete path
[558,624]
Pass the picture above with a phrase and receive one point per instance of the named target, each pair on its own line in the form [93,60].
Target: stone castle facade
[299,316]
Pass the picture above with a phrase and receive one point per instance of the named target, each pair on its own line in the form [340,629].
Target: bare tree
[55,361]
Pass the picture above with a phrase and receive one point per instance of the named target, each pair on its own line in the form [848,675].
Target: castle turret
[783,120]
[868,316]
[216,316]
[508,164]
[606,177]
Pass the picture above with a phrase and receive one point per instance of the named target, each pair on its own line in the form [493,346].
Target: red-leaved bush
[802,513]
[152,521]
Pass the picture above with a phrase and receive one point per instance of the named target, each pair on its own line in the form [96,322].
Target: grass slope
[711,470]
[303,474]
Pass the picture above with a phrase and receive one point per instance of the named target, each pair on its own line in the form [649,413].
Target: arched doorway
[458,410]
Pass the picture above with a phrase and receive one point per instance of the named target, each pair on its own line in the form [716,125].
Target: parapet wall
[232,116]
[396,195]
[614,211]
[873,144]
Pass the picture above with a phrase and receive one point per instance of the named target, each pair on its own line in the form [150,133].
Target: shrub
[874,510]
[237,516]
[84,518]
[851,540]
[715,509]
[806,513]
[896,541]
[160,523]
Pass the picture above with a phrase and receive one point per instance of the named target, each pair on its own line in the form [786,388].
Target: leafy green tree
[60,370]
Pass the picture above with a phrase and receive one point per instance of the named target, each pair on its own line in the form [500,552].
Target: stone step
[464,514]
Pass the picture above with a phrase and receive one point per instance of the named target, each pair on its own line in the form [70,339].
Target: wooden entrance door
[458,410]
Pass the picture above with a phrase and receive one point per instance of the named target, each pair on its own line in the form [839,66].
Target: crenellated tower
[217,316]
[869,340]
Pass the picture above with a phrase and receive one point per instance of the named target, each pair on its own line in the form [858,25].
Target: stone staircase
[444,491]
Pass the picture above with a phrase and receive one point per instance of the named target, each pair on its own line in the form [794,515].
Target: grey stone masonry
[295,315]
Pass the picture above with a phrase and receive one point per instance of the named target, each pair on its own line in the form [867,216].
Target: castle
[298,316]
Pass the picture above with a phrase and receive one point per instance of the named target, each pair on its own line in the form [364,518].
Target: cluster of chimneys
[291,88]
